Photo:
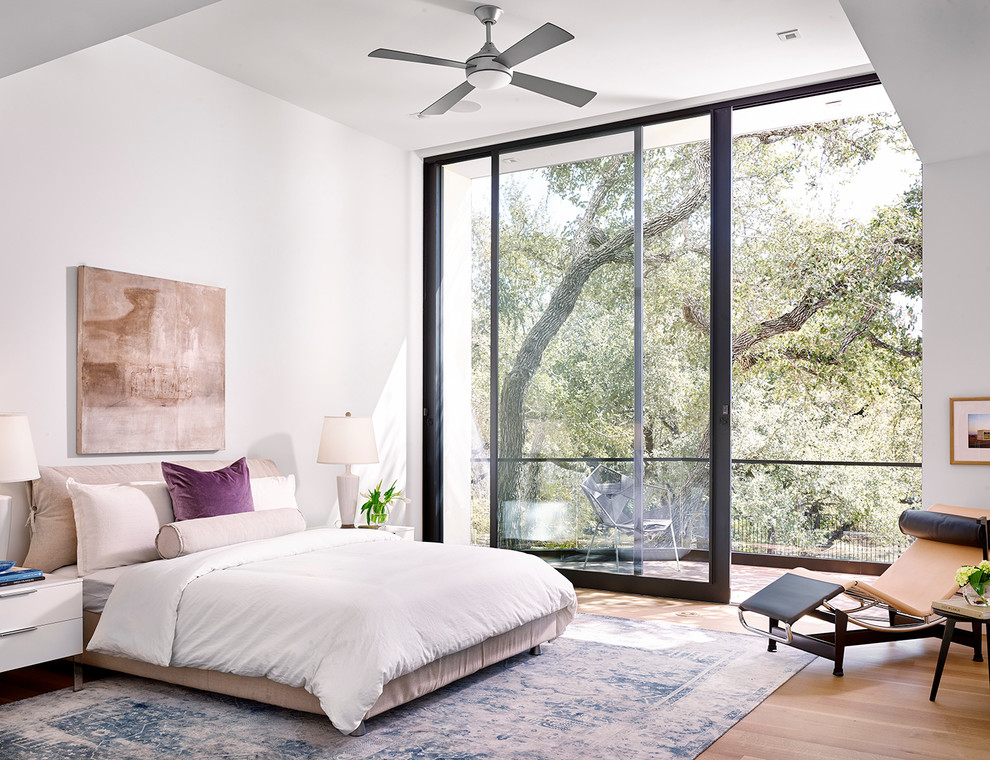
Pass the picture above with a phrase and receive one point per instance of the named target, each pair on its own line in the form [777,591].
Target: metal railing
[788,528]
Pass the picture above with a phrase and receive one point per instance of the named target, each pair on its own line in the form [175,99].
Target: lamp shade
[17,459]
[347,440]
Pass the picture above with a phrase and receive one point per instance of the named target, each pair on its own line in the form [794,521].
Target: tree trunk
[586,261]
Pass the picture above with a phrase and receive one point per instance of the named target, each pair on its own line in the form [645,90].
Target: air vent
[790,34]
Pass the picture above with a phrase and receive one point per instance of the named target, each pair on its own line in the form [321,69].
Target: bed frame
[396,692]
[528,637]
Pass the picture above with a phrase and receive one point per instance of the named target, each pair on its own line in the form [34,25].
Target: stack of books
[959,607]
[20,575]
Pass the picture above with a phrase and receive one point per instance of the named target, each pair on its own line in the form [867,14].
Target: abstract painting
[150,364]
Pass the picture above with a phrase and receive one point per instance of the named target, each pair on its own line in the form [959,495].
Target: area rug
[609,688]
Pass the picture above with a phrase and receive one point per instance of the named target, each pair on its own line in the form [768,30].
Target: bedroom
[241,198]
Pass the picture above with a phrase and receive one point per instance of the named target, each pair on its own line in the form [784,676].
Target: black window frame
[720,114]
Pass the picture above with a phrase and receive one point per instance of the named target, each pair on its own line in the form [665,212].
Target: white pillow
[201,533]
[277,492]
[116,524]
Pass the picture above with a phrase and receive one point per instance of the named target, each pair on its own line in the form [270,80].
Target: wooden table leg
[950,624]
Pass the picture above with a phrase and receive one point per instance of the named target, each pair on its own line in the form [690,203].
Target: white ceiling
[641,56]
[36,31]
[635,53]
[934,61]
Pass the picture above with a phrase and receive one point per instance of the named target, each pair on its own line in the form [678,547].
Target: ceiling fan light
[489,79]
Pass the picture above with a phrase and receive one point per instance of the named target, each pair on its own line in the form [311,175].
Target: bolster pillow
[178,539]
[941,527]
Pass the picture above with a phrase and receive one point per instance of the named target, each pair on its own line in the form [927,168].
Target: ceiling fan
[489,69]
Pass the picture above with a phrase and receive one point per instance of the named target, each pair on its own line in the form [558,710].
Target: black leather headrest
[947,529]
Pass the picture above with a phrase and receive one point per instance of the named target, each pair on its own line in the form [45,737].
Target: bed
[387,620]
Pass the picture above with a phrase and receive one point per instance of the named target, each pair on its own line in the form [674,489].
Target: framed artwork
[969,430]
[150,364]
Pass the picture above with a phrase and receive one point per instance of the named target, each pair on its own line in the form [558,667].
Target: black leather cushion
[947,529]
[791,597]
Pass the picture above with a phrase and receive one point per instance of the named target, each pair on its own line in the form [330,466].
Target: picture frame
[150,364]
[969,430]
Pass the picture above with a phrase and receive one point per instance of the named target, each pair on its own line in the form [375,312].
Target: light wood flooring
[878,711]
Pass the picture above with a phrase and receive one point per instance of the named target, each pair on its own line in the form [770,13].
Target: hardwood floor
[30,682]
[878,711]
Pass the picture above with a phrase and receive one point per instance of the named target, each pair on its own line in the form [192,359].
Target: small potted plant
[378,502]
[974,581]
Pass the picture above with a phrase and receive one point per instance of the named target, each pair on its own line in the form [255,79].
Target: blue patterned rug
[610,688]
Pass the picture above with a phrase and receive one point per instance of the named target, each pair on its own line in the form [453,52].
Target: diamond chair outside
[613,496]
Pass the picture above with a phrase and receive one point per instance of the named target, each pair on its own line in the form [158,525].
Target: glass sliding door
[605,307]
[576,356]
[827,315]
[677,342]
[567,355]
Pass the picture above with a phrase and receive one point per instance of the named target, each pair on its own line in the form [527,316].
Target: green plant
[977,577]
[377,505]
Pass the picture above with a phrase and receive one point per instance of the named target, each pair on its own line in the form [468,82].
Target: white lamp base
[347,494]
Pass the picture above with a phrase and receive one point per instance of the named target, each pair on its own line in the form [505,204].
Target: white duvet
[339,612]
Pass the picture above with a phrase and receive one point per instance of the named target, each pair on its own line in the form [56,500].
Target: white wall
[124,157]
[956,345]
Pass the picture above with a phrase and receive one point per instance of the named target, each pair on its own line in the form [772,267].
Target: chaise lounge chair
[945,539]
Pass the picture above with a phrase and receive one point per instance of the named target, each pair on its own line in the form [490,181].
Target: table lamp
[17,465]
[347,440]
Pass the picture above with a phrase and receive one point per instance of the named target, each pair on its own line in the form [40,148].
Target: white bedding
[339,612]
[96,586]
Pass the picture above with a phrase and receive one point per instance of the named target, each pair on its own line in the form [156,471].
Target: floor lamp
[347,440]
[17,465]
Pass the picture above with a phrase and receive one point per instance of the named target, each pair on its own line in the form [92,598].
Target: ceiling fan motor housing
[484,72]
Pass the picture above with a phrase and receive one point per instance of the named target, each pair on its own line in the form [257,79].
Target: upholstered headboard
[51,521]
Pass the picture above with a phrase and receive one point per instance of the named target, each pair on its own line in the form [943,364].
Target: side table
[957,610]
[41,621]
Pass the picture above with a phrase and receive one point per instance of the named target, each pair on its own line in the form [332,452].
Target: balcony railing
[828,510]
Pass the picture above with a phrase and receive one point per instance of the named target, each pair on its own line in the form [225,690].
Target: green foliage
[826,324]
[377,505]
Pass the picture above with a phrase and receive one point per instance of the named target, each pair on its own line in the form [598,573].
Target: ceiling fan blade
[443,105]
[546,37]
[556,90]
[398,55]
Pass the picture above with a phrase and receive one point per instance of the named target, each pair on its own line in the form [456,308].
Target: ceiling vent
[790,34]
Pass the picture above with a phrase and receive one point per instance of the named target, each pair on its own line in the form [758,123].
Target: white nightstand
[40,621]
[405,532]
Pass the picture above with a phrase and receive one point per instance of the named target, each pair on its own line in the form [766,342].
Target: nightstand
[405,532]
[40,621]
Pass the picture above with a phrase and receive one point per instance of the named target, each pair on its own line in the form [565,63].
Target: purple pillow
[208,494]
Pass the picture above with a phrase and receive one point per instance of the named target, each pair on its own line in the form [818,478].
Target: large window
[578,400]
[826,261]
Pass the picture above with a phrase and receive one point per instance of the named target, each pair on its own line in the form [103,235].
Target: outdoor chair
[613,496]
[946,538]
